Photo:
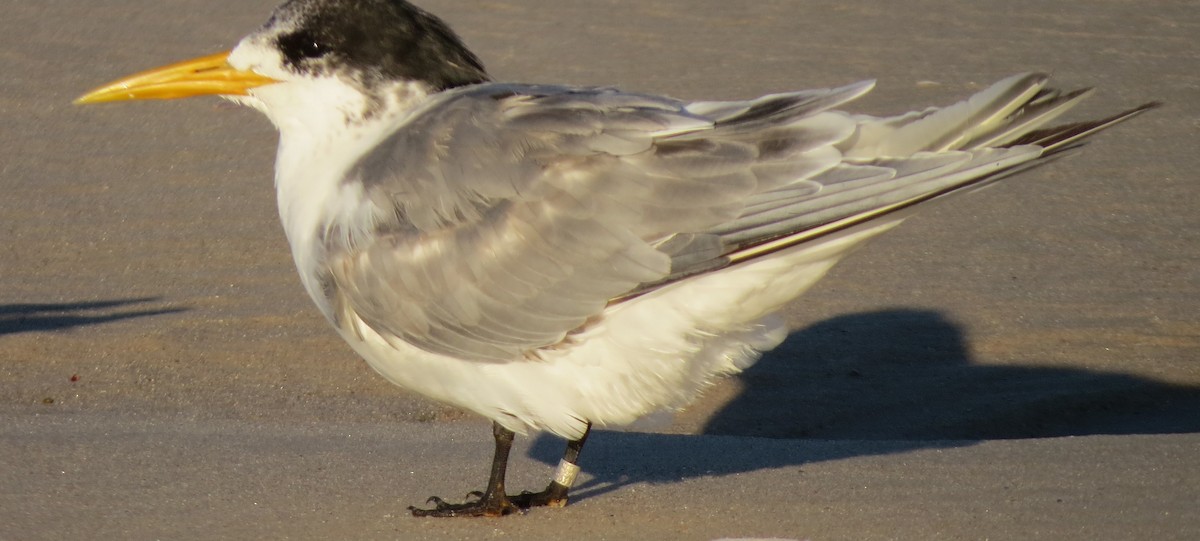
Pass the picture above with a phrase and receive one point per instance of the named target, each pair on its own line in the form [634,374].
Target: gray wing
[519,212]
[507,216]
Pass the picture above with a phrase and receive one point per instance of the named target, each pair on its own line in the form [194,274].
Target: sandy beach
[1019,363]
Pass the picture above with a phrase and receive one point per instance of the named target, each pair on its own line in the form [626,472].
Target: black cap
[379,39]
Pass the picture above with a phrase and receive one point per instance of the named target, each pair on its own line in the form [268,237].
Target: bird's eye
[311,48]
[300,45]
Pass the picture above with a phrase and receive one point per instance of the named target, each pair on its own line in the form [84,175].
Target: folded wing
[506,216]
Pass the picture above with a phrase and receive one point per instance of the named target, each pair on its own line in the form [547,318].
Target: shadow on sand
[17,318]
[876,383]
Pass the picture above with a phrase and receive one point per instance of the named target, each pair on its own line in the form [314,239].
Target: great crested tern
[554,257]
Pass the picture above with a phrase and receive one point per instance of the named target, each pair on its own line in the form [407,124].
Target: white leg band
[565,473]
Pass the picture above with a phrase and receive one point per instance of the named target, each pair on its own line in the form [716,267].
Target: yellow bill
[210,74]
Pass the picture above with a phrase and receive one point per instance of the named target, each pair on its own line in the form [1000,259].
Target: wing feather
[503,217]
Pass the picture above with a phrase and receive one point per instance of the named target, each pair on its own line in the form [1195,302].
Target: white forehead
[259,51]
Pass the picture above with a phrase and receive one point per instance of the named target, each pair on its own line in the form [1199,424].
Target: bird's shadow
[45,317]
[878,383]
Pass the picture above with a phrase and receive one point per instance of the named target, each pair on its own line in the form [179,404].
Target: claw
[555,495]
[480,507]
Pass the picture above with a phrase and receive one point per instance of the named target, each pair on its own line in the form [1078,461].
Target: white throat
[325,126]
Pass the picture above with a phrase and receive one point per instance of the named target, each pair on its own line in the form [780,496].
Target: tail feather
[892,166]
[988,165]
[948,128]
[1067,136]
[1048,105]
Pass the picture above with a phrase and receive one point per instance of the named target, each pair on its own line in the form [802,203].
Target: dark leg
[493,502]
[555,494]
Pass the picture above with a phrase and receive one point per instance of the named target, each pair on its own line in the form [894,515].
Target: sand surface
[1021,363]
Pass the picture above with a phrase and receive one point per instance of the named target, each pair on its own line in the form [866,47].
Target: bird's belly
[650,353]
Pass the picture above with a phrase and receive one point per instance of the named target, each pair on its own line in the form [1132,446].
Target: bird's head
[347,56]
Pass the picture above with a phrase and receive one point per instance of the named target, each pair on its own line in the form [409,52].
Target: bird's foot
[485,506]
[555,495]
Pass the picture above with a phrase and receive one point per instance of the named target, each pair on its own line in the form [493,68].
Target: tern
[554,257]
